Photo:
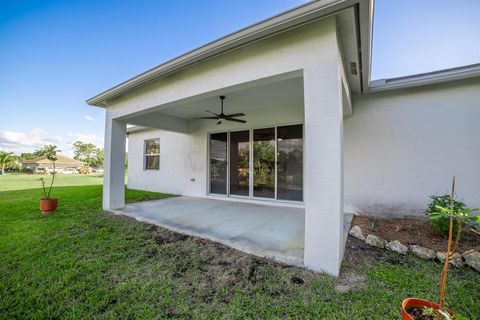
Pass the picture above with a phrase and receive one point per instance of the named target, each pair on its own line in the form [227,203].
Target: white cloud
[19,142]
[90,118]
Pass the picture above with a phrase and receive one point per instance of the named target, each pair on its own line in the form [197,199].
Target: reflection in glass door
[290,163]
[218,163]
[239,162]
[264,163]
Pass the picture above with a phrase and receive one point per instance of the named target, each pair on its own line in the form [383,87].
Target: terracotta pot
[418,303]
[48,206]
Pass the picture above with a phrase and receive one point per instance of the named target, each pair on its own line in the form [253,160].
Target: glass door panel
[290,163]
[239,163]
[264,163]
[218,163]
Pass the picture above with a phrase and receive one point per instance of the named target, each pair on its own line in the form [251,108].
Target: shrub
[441,225]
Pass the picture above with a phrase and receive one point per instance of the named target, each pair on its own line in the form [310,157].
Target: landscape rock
[456,260]
[397,246]
[441,256]
[375,241]
[356,232]
[472,259]
[422,252]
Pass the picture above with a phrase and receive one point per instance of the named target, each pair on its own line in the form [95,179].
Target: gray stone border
[470,258]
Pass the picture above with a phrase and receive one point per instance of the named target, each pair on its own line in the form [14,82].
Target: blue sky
[56,54]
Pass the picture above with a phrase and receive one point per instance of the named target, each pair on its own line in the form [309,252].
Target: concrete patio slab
[273,232]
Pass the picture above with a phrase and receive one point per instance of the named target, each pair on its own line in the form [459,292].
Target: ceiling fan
[222,116]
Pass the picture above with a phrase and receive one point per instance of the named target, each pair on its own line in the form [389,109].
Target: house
[319,134]
[43,163]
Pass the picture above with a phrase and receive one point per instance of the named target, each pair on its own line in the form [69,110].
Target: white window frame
[145,154]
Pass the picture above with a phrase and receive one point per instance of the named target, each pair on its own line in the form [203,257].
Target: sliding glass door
[290,163]
[218,163]
[262,163]
[240,163]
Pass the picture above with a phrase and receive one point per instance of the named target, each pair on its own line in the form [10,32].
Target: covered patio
[275,232]
[291,93]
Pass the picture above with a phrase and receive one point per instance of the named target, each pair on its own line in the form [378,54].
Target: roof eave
[423,79]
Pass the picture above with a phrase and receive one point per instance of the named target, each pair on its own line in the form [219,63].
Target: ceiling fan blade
[215,114]
[236,114]
[221,116]
[207,118]
[235,120]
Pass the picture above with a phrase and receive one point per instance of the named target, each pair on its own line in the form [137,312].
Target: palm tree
[5,157]
[49,152]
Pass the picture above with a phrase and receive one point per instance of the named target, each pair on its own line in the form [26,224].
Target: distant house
[41,163]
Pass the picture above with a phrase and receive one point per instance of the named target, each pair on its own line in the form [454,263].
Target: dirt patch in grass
[357,253]
[222,268]
[166,236]
[218,266]
[417,232]
[348,281]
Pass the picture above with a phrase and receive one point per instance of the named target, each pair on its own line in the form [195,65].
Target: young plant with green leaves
[441,223]
[454,214]
[431,313]
[49,152]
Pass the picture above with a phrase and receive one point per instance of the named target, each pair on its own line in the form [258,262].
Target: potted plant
[416,309]
[48,205]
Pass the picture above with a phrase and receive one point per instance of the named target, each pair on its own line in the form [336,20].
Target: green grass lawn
[32,181]
[82,263]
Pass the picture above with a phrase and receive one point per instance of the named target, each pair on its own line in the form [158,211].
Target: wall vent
[353,68]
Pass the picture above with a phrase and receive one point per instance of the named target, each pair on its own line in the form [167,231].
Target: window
[152,154]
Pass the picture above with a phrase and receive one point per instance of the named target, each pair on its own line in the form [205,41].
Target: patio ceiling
[282,92]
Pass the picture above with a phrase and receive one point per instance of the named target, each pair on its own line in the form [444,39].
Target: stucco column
[323,167]
[114,164]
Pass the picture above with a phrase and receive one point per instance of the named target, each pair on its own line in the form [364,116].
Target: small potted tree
[48,205]
[416,309]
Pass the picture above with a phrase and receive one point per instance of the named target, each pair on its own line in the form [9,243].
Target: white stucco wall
[311,51]
[402,146]
[171,178]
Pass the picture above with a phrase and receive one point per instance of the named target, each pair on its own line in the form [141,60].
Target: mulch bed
[409,232]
